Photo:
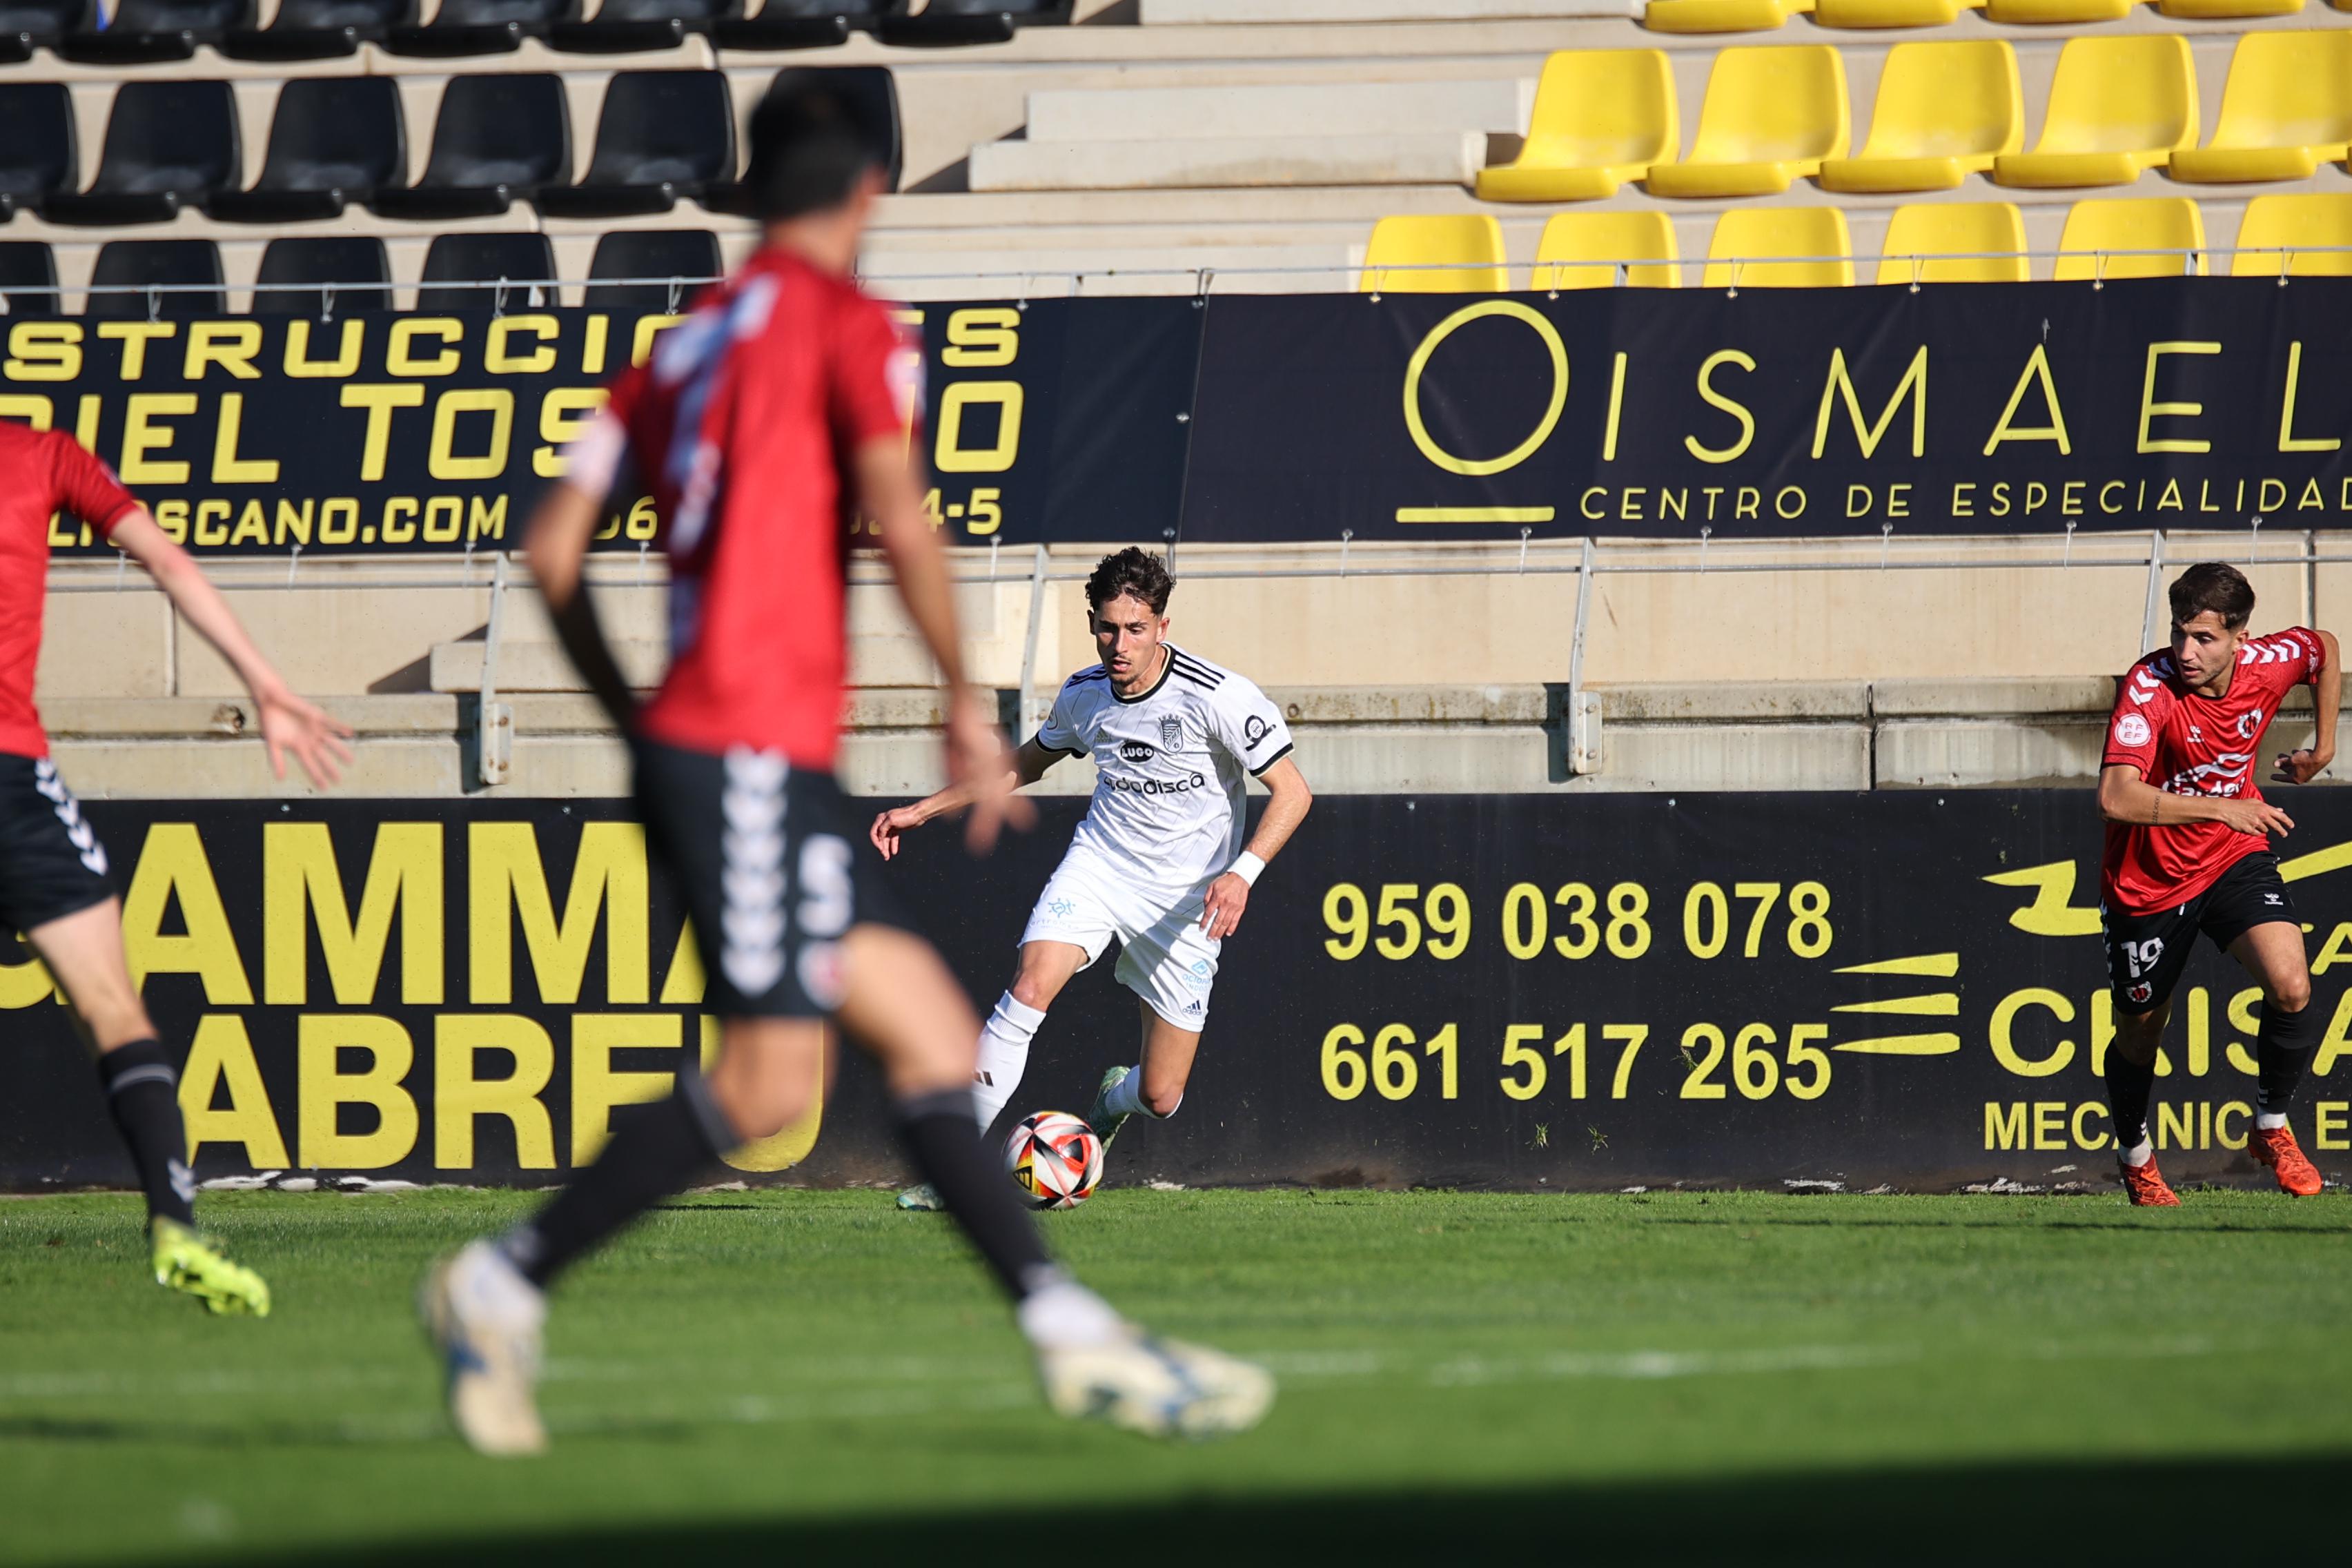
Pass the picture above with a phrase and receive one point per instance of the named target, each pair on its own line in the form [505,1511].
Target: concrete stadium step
[1428,158]
[875,659]
[1314,109]
[1231,13]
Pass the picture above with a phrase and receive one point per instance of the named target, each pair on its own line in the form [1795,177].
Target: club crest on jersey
[1137,751]
[2141,991]
[2131,730]
[1255,730]
[1171,733]
[2249,724]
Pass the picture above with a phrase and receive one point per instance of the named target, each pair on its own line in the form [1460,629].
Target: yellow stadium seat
[2225,10]
[1892,12]
[2057,13]
[2170,226]
[1601,117]
[1741,252]
[2307,236]
[1954,242]
[1465,250]
[1595,240]
[2118,106]
[2287,109]
[1944,111]
[1771,115]
[1720,15]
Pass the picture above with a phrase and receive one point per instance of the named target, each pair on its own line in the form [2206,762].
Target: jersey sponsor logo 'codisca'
[1153,786]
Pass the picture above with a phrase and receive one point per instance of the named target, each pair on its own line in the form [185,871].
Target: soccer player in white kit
[1158,861]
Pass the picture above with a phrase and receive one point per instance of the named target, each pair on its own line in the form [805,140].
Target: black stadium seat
[333,141]
[143,31]
[805,24]
[336,263]
[29,279]
[945,21]
[28,25]
[320,29]
[627,26]
[38,154]
[681,255]
[496,140]
[663,137]
[169,146]
[148,262]
[482,26]
[523,265]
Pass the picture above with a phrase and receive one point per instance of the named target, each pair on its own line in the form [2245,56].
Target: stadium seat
[1743,251]
[680,254]
[2288,109]
[2301,235]
[946,22]
[481,27]
[1468,247]
[1601,117]
[1771,115]
[525,261]
[497,139]
[169,146]
[28,25]
[631,26]
[320,29]
[342,268]
[29,279]
[1720,15]
[803,24]
[1583,250]
[1944,111]
[147,263]
[332,141]
[663,137]
[2118,106]
[2227,10]
[1876,13]
[1955,242]
[2169,230]
[142,32]
[38,154]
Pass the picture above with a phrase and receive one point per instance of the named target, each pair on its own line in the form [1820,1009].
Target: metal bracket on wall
[494,720]
[1583,715]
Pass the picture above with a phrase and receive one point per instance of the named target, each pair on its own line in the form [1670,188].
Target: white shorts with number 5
[1165,957]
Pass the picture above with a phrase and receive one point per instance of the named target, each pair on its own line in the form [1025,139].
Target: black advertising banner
[375,432]
[1774,412]
[1592,992]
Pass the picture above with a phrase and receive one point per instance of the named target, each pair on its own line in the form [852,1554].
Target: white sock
[2270,1121]
[1125,1097]
[2139,1153]
[1065,1315]
[1004,1056]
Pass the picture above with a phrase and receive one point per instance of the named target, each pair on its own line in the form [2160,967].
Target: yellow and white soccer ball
[1055,1159]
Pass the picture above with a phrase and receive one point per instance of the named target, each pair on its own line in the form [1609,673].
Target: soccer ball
[1055,1159]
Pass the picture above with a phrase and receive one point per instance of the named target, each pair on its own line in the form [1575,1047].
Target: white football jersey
[1170,793]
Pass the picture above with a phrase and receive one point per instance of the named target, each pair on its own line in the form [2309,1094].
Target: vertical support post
[494,720]
[2149,627]
[1583,715]
[1026,704]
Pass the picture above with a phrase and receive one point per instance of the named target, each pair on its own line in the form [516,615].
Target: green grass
[805,1375]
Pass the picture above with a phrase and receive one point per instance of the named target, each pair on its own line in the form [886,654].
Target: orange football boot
[2145,1186]
[2277,1149]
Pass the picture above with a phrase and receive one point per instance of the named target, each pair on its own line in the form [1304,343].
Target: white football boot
[1099,1115]
[485,1318]
[1161,1388]
[923,1198]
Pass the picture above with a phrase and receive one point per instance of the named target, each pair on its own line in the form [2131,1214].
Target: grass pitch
[1672,1377]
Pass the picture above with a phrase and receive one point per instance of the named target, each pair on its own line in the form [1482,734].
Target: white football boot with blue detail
[485,1318]
[1161,1388]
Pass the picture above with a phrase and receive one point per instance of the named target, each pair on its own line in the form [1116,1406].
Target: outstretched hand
[2299,767]
[890,825]
[980,760]
[288,723]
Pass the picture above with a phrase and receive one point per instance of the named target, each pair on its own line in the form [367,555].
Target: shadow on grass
[2169,1510]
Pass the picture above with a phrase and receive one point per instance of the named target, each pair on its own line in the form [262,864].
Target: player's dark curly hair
[2214,585]
[1134,572]
[810,145]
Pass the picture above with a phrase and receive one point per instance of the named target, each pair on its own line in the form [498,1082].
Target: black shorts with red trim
[51,862]
[2146,952]
[775,868]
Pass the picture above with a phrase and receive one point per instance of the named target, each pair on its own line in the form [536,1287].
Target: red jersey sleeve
[2141,701]
[85,486]
[2299,649]
[877,378]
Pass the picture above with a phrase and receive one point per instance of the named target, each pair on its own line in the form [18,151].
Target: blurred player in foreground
[2187,849]
[54,885]
[1157,862]
[764,424]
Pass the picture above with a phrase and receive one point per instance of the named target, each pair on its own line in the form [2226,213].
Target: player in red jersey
[56,887]
[2189,850]
[763,424]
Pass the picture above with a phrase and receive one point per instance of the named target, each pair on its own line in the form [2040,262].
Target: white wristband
[1248,867]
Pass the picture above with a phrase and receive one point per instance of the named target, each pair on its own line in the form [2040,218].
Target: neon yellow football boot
[187,1262]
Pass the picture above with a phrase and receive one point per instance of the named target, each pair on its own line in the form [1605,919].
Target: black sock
[143,1095]
[656,1153]
[2282,1051]
[939,1132]
[2129,1086]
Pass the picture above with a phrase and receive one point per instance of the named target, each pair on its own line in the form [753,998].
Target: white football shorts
[1164,956]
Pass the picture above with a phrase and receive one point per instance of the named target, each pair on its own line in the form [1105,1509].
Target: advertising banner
[1593,992]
